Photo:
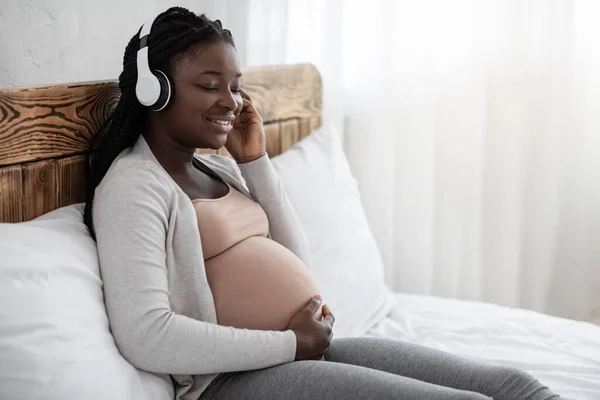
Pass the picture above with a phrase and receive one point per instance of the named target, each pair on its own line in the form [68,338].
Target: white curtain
[473,128]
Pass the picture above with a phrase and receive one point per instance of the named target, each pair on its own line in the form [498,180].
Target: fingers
[328,317]
[327,348]
[248,105]
[239,109]
[250,109]
[328,321]
[313,305]
[329,332]
[327,314]
[245,95]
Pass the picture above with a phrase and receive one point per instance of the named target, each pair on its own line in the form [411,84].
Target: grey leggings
[369,368]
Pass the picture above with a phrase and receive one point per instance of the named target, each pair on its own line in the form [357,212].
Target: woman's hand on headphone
[246,141]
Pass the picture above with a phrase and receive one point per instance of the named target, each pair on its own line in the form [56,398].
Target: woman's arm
[246,143]
[131,219]
[284,225]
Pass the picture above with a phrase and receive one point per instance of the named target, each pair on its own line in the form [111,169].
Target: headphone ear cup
[166,91]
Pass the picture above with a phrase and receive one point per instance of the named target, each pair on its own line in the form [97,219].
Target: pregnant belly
[258,284]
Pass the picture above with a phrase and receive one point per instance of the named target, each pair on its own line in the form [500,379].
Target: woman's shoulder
[131,176]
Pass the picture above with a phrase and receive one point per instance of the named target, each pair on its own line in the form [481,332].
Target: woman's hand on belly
[312,336]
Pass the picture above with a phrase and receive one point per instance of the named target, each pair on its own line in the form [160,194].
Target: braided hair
[174,33]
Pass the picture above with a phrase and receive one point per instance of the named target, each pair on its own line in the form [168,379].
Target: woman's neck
[173,156]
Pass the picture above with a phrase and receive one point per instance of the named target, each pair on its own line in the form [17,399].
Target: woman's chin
[215,143]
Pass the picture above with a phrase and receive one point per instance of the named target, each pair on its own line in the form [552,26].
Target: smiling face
[206,96]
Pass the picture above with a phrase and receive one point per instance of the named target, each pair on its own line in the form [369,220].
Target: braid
[174,32]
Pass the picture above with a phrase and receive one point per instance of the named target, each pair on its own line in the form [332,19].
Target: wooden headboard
[45,131]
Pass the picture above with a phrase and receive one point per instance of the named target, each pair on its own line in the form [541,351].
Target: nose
[228,100]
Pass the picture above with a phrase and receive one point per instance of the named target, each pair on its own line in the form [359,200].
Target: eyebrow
[217,73]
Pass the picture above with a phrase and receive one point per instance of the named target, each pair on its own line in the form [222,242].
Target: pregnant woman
[204,263]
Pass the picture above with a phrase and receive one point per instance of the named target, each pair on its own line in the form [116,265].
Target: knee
[516,376]
[515,383]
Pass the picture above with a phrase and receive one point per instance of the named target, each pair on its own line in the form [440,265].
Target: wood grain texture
[45,131]
[308,125]
[55,121]
[11,194]
[39,188]
[285,92]
[70,180]
[303,128]
[273,139]
[48,122]
[290,134]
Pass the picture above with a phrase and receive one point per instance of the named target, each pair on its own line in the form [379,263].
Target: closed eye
[208,88]
[214,89]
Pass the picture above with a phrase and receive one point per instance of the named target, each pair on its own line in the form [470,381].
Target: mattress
[561,353]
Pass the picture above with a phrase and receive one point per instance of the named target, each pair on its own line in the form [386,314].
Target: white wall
[55,41]
[63,41]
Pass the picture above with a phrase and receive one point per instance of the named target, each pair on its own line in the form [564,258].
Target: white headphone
[153,88]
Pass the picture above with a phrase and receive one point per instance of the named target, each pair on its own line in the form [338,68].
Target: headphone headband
[150,89]
[145,31]
[143,37]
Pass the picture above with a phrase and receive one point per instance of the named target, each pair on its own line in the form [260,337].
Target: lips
[221,121]
[221,124]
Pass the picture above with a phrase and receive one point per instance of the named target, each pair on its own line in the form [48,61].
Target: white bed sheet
[563,354]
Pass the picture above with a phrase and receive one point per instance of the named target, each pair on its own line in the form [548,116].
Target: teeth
[221,122]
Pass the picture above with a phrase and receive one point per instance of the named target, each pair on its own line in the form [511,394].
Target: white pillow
[346,262]
[55,342]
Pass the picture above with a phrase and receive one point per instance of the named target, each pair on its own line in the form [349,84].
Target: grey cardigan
[160,307]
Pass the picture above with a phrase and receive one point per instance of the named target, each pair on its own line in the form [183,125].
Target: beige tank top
[256,282]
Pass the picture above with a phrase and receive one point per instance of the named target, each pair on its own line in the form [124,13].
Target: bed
[44,133]
[562,353]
